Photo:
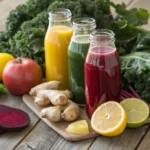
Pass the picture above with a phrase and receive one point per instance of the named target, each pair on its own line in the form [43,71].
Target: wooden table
[38,136]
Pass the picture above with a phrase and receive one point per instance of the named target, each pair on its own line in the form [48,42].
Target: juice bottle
[102,71]
[56,46]
[77,51]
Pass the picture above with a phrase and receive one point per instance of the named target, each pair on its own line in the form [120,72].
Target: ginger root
[69,112]
[54,96]
[51,113]
[42,101]
[53,85]
[48,93]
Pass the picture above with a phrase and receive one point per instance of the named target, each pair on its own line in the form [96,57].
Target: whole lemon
[4,59]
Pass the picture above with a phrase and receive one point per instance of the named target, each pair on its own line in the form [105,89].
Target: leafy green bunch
[127,26]
[27,24]
[136,72]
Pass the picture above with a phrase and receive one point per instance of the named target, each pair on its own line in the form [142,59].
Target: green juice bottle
[77,51]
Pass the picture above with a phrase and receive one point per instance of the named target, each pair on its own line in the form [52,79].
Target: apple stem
[19,60]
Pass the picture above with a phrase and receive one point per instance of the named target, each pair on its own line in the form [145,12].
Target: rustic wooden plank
[126,141]
[9,140]
[60,127]
[44,138]
[145,145]
[5,7]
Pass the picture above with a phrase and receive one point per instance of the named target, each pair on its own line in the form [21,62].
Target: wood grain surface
[11,139]
[45,138]
[39,136]
[126,141]
[60,127]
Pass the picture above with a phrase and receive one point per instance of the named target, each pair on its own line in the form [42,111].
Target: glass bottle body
[102,71]
[56,44]
[77,51]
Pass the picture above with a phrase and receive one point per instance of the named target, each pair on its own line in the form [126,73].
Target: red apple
[20,75]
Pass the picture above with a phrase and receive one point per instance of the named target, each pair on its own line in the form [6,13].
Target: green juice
[78,49]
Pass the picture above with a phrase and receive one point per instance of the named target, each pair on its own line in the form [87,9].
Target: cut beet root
[12,118]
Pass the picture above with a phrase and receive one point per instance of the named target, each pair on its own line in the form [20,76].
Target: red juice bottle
[102,70]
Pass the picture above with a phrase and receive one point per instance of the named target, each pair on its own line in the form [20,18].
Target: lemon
[78,127]
[137,112]
[4,59]
[109,119]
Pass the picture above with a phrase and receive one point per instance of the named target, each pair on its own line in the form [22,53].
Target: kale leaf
[136,72]
[28,40]
[142,42]
[29,43]
[127,26]
[23,13]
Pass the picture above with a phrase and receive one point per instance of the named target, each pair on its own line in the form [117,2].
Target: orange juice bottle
[56,45]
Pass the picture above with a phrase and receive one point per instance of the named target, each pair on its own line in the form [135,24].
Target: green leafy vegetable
[2,89]
[29,29]
[29,43]
[142,42]
[134,16]
[23,13]
[136,72]
[127,26]
[27,24]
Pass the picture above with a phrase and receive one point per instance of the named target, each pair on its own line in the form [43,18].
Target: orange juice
[56,57]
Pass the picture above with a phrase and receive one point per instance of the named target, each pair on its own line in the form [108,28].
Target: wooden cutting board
[60,127]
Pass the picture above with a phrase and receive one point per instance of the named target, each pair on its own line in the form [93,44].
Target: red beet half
[12,118]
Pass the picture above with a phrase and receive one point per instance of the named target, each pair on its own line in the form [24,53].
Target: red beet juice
[102,77]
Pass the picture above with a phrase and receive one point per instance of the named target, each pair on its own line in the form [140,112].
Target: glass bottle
[102,70]
[56,43]
[77,51]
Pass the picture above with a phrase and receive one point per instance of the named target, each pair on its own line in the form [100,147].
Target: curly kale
[29,40]
[4,44]
[4,36]
[40,21]
[136,72]
[97,9]
[29,43]
[15,19]
[23,13]
[26,27]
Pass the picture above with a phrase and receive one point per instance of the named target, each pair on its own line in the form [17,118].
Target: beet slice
[12,118]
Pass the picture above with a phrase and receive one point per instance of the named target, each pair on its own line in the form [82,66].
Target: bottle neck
[60,17]
[102,38]
[84,25]
[66,22]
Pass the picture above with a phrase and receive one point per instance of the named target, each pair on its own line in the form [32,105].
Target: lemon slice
[137,112]
[109,119]
[78,127]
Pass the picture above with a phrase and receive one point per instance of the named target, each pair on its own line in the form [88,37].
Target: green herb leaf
[2,89]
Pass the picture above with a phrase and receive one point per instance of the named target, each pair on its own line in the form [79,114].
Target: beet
[12,118]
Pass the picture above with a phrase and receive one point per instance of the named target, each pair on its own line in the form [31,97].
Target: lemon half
[109,119]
